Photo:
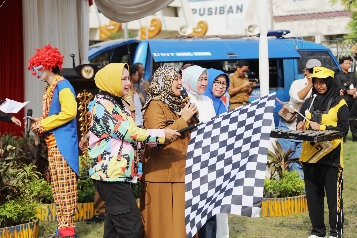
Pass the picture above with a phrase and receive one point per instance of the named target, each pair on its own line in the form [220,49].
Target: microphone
[186,98]
[28,115]
[183,130]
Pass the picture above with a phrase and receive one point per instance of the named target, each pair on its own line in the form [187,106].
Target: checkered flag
[226,161]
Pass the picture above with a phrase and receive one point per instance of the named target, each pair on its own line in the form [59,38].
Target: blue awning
[175,50]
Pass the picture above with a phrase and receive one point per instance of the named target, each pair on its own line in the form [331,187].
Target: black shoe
[95,219]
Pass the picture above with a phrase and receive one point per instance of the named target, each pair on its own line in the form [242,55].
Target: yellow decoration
[201,29]
[47,212]
[28,230]
[84,99]
[154,30]
[107,30]
[279,207]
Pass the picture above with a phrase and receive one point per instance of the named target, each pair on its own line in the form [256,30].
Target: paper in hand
[11,106]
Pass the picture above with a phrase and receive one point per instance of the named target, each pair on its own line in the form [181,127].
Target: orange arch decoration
[107,30]
[201,29]
[154,29]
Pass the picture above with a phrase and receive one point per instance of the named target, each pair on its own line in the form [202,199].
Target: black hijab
[322,100]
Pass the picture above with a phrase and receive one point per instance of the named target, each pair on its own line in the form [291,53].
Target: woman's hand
[171,135]
[300,126]
[16,121]
[315,126]
[188,111]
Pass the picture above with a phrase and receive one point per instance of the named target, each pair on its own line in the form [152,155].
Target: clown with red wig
[58,126]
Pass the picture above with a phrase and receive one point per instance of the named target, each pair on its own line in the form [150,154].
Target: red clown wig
[49,57]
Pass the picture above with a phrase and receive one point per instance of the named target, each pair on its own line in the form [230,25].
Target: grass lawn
[269,227]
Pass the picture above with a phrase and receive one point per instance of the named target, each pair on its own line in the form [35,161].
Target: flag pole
[262,6]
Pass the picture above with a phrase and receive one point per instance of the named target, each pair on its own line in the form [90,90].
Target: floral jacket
[113,138]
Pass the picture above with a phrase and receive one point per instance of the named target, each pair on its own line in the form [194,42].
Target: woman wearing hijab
[163,199]
[112,144]
[218,84]
[323,161]
[194,80]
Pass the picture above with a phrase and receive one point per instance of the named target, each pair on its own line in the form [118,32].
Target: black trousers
[319,179]
[122,217]
[208,230]
[352,106]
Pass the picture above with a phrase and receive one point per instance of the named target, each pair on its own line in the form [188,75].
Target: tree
[350,5]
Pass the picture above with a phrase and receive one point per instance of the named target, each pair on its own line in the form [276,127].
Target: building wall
[173,16]
[315,20]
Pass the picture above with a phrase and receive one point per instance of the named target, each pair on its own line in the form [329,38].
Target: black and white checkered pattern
[226,161]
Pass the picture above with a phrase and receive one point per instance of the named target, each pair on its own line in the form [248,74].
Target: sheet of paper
[11,106]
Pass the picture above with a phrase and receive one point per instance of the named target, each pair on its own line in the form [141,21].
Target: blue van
[287,56]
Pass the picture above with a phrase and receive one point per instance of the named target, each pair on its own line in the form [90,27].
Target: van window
[276,74]
[102,59]
[323,56]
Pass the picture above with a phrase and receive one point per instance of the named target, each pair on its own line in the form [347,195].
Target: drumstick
[313,98]
[291,106]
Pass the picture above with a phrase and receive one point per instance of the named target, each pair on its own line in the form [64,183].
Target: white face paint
[37,71]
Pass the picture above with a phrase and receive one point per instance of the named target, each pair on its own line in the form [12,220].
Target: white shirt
[138,113]
[205,107]
[295,101]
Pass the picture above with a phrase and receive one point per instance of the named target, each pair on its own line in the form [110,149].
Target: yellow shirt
[313,152]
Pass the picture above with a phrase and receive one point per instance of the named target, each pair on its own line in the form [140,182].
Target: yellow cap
[322,72]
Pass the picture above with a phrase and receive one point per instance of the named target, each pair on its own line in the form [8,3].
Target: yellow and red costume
[58,126]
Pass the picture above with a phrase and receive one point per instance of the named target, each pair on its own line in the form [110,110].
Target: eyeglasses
[223,84]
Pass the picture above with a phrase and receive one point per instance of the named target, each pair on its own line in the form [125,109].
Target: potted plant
[22,187]
[283,190]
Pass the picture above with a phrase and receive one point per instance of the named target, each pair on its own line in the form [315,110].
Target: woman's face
[219,86]
[202,84]
[125,82]
[320,86]
[177,85]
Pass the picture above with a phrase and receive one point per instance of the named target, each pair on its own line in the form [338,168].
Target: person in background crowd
[240,88]
[133,98]
[299,91]
[58,126]
[141,86]
[9,118]
[218,84]
[113,138]
[347,82]
[162,202]
[323,161]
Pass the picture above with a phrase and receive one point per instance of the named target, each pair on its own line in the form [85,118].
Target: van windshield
[276,74]
[324,57]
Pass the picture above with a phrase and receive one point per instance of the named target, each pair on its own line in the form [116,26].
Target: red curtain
[12,60]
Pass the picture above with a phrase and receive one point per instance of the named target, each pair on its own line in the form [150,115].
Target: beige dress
[162,202]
